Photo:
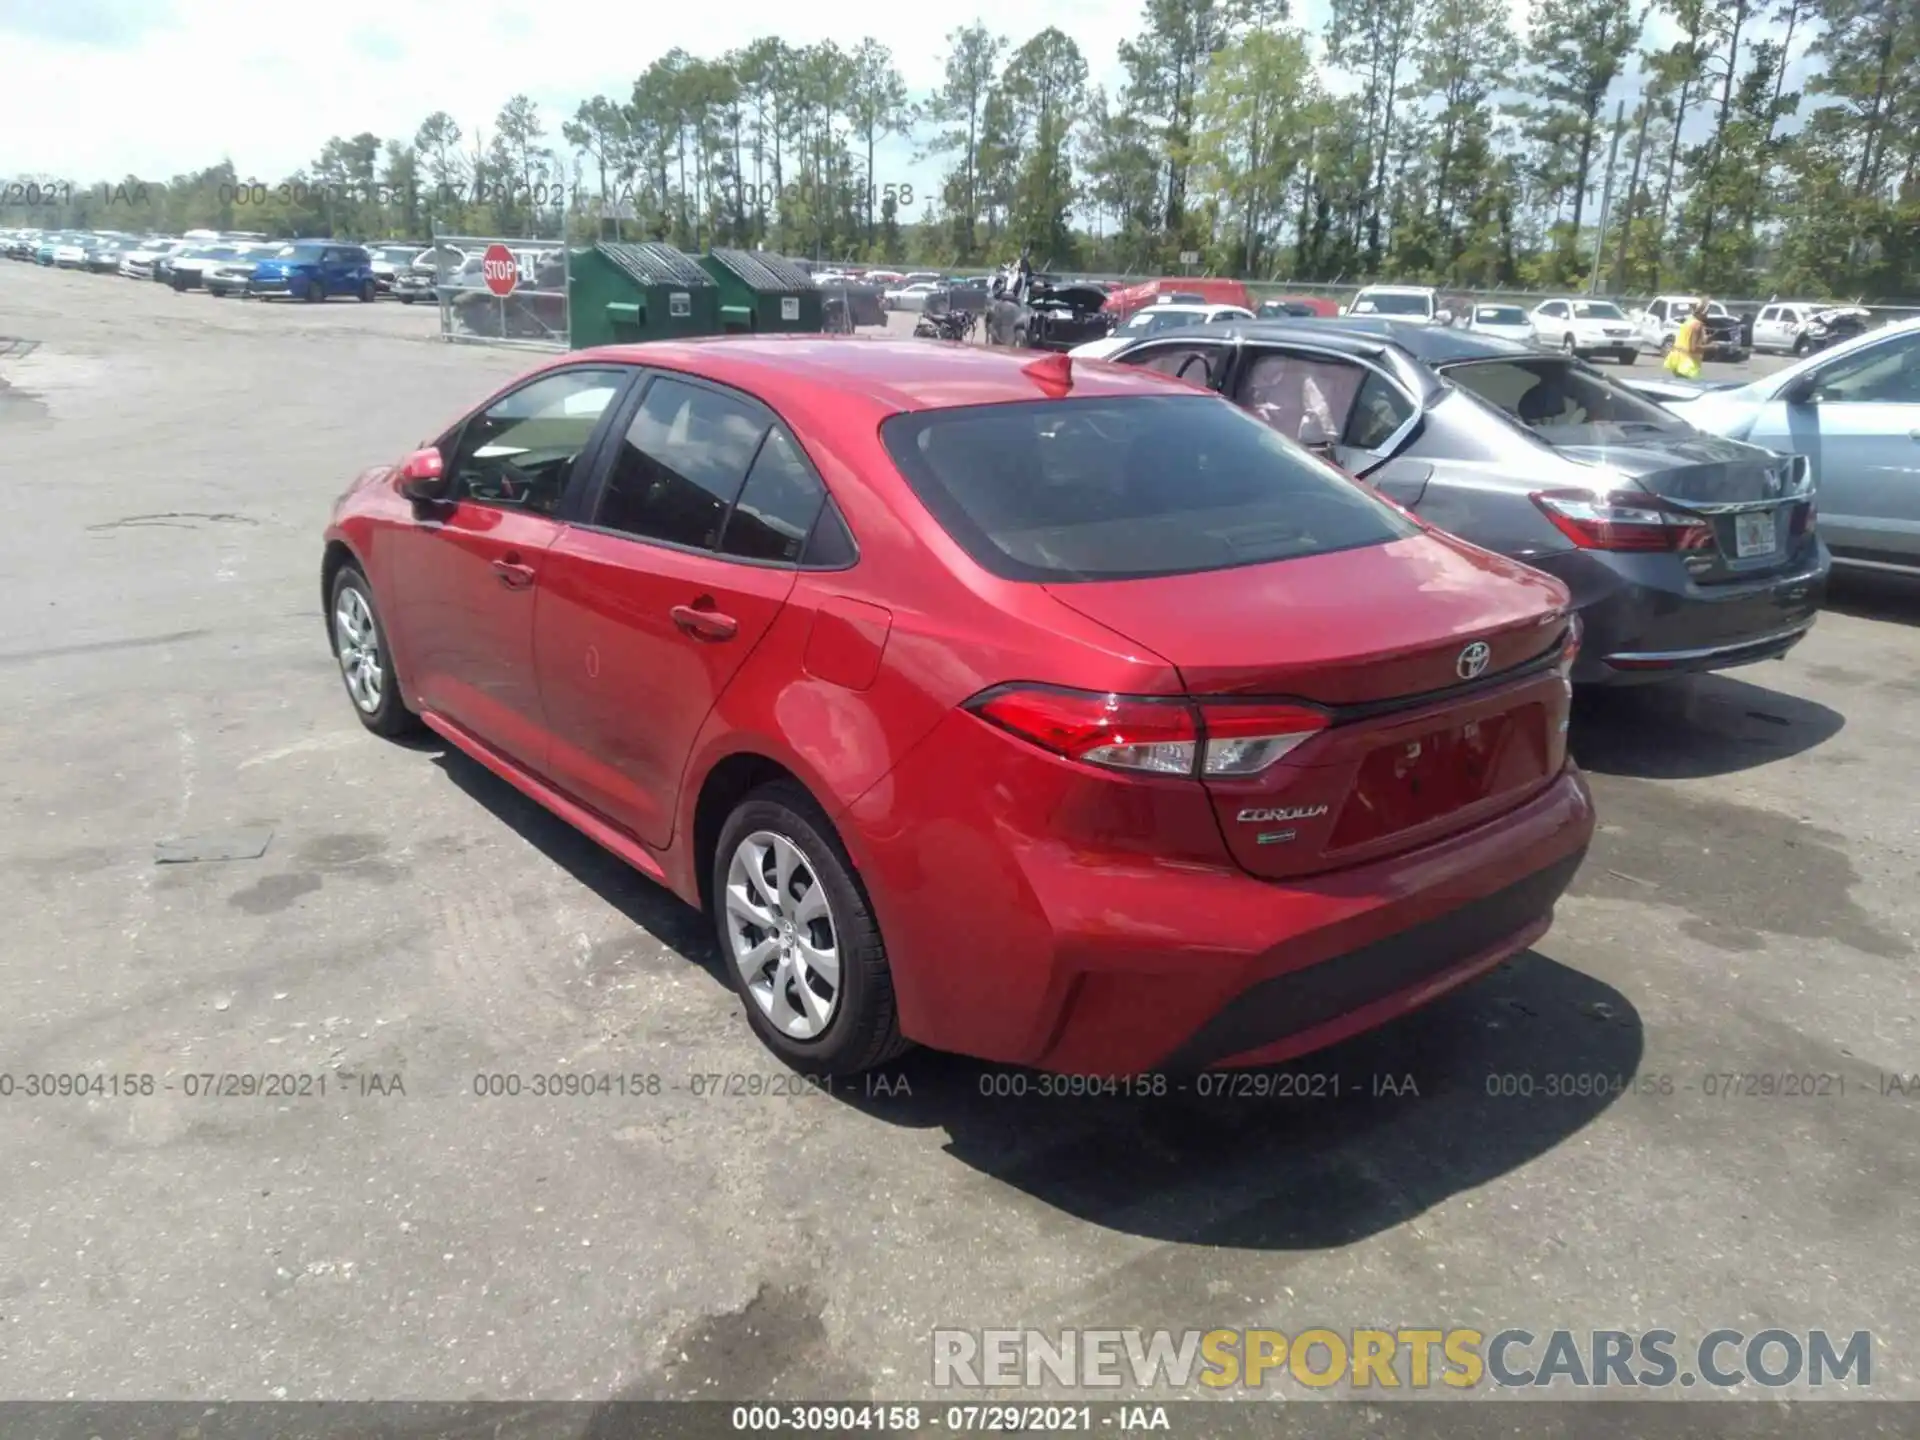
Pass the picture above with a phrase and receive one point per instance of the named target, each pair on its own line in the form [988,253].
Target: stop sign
[499,269]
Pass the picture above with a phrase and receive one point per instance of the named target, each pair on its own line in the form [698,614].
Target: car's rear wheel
[798,934]
[1566,345]
[366,662]
[368,290]
[1799,345]
[1629,357]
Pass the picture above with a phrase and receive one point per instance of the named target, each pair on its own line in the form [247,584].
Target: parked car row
[245,264]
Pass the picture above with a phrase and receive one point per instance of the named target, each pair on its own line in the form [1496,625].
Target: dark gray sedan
[1684,551]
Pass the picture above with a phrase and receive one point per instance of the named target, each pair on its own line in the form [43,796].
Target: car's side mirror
[423,476]
[1804,391]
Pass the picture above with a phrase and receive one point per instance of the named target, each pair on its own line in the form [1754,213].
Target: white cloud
[202,80]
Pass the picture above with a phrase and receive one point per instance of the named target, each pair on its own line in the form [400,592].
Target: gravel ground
[1748,908]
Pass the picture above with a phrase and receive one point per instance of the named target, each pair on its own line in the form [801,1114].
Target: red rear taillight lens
[1149,735]
[1804,517]
[1622,521]
[1118,731]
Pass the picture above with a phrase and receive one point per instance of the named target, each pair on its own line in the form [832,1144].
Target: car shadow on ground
[1321,1152]
[1693,727]
[1875,595]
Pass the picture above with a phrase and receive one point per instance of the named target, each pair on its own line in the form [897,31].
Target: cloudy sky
[157,87]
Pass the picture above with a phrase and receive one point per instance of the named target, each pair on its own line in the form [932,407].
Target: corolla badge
[1298,812]
[1473,660]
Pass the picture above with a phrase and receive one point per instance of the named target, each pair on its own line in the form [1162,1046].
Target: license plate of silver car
[1754,534]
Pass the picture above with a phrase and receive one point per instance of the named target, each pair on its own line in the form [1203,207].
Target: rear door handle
[513,576]
[704,624]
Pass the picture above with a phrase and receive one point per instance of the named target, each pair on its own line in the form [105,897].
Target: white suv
[1415,304]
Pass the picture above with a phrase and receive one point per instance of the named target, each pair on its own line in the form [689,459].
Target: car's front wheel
[799,936]
[366,661]
[316,289]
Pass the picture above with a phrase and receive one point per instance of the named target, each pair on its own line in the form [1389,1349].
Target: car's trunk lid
[1435,662]
[1753,499]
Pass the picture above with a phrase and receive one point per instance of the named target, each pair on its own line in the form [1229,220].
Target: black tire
[1666,343]
[1629,357]
[316,291]
[405,299]
[390,718]
[369,292]
[1799,346]
[864,1029]
[1567,345]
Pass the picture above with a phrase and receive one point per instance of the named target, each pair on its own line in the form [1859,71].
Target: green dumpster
[622,292]
[763,292]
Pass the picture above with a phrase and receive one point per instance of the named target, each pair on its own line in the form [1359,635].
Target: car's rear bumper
[1014,937]
[1645,620]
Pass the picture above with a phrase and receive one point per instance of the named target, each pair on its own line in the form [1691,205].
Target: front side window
[519,452]
[1562,402]
[1126,487]
[1887,373]
[680,465]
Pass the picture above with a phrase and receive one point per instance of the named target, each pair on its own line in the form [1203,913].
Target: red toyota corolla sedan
[1059,715]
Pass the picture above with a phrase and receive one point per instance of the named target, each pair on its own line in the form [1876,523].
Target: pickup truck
[1660,322]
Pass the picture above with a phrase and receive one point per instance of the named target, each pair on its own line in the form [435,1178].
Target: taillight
[1804,517]
[1246,739]
[1148,734]
[1622,521]
[1121,732]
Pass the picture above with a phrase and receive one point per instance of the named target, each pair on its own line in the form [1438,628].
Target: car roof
[886,375]
[1364,335]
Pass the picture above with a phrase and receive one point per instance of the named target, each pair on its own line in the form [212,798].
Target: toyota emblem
[1473,660]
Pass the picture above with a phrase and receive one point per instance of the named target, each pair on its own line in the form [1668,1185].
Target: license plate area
[1409,784]
[1755,533]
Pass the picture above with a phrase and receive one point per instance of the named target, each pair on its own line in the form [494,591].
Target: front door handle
[704,624]
[512,575]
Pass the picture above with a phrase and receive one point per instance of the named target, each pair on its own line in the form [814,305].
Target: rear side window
[680,465]
[1562,403]
[1128,487]
[778,505]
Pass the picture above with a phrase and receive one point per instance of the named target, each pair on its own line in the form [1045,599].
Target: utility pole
[1606,198]
[1633,192]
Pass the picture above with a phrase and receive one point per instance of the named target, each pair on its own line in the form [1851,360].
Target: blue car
[316,270]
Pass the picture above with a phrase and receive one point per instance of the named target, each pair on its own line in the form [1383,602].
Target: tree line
[1737,146]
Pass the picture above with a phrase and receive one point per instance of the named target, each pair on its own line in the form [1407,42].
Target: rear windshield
[1128,487]
[1562,402]
[1373,302]
[1500,315]
[1597,310]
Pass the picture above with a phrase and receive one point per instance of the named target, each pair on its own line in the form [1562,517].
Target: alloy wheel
[781,929]
[356,639]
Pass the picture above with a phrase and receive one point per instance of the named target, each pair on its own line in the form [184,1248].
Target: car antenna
[1053,373]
